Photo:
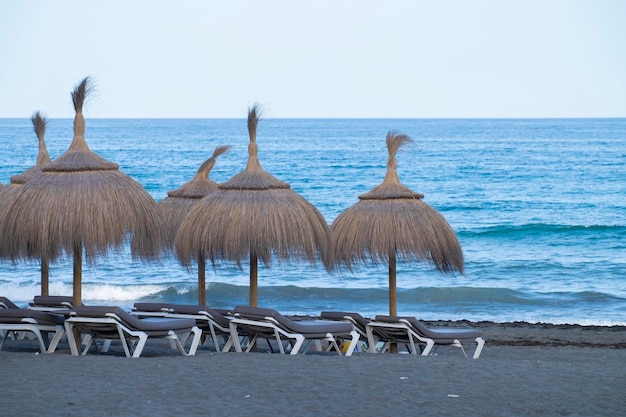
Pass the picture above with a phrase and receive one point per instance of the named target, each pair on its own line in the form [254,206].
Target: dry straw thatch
[80,204]
[254,216]
[40,123]
[179,202]
[391,222]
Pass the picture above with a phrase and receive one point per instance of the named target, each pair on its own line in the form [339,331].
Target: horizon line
[338,118]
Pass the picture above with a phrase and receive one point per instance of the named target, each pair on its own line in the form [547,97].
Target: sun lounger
[358,322]
[51,303]
[214,323]
[410,331]
[269,324]
[16,321]
[104,322]
[6,303]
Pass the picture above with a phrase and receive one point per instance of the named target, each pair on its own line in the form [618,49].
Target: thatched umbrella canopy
[179,202]
[40,123]
[254,216]
[391,222]
[80,204]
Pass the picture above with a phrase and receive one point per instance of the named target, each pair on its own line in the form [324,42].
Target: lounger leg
[105,345]
[214,337]
[479,347]
[229,343]
[234,336]
[371,341]
[56,339]
[138,348]
[251,343]
[71,340]
[331,344]
[280,344]
[411,345]
[318,346]
[186,337]
[385,347]
[195,341]
[296,347]
[430,343]
[88,341]
[458,344]
[4,337]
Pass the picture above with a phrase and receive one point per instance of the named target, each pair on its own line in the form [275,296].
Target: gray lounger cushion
[440,336]
[153,327]
[308,328]
[16,315]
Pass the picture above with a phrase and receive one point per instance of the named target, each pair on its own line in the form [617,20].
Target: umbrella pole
[78,274]
[254,272]
[45,273]
[393,311]
[201,280]
[77,285]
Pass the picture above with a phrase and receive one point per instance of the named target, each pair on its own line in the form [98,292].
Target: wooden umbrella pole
[45,273]
[77,283]
[393,311]
[201,280]
[78,274]
[254,272]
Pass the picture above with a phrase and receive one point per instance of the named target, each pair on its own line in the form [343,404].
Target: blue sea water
[539,206]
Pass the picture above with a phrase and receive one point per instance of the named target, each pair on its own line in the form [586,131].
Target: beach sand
[524,370]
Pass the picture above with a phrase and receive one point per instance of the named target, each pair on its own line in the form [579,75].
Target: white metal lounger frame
[204,316]
[125,334]
[39,331]
[280,334]
[405,329]
[401,328]
[51,304]
[362,330]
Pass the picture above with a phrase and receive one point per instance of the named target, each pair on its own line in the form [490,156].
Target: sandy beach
[524,370]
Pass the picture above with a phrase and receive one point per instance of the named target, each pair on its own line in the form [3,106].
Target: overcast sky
[211,59]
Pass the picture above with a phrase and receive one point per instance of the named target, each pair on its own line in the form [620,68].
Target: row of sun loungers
[240,329]
[408,331]
[21,321]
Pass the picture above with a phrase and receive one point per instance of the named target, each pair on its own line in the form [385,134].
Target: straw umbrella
[391,222]
[178,203]
[80,205]
[254,216]
[40,123]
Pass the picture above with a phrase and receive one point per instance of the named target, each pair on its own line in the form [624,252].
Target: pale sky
[301,58]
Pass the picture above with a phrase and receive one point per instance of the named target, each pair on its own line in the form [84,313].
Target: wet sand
[524,370]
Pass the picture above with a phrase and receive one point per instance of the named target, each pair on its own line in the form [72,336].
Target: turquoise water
[539,207]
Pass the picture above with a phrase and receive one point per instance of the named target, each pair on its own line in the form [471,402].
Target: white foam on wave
[23,293]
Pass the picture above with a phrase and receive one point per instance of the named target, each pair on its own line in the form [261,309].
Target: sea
[538,205]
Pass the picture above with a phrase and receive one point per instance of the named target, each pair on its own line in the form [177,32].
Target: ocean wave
[428,303]
[534,229]
[221,293]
